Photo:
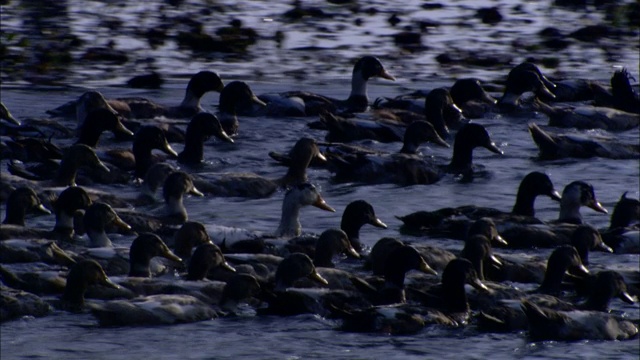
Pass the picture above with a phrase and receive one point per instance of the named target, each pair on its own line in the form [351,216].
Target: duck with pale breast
[303,103]
[21,201]
[97,219]
[255,186]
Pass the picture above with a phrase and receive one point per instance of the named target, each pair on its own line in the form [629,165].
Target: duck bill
[351,252]
[167,149]
[624,296]
[582,270]
[554,195]
[544,90]
[548,83]
[108,283]
[61,255]
[493,148]
[225,265]
[168,254]
[486,98]
[258,101]
[385,75]
[378,223]
[194,191]
[495,260]
[321,157]
[597,207]
[604,247]
[225,137]
[121,129]
[317,277]
[321,204]
[479,285]
[425,268]
[102,166]
[455,108]
[118,222]
[43,210]
[11,119]
[439,141]
[500,240]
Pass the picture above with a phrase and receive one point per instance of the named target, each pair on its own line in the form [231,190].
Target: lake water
[317,54]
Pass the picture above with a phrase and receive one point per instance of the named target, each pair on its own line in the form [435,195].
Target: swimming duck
[547,324]
[96,220]
[622,234]
[143,248]
[146,139]
[395,168]
[332,242]
[200,128]
[302,103]
[557,146]
[382,250]
[586,238]
[153,179]
[449,221]
[97,122]
[190,235]
[5,114]
[255,186]
[206,257]
[76,156]
[347,130]
[589,117]
[17,303]
[477,249]
[235,96]
[622,96]
[81,275]
[141,108]
[525,77]
[21,201]
[356,214]
[295,198]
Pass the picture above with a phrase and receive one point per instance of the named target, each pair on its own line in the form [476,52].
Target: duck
[443,304]
[81,275]
[426,171]
[525,77]
[399,167]
[622,95]
[575,195]
[76,156]
[135,260]
[206,257]
[97,218]
[97,122]
[298,196]
[341,129]
[235,96]
[548,324]
[467,94]
[154,179]
[302,103]
[586,238]
[141,108]
[18,303]
[577,145]
[34,250]
[454,222]
[381,251]
[146,139]
[477,249]
[21,201]
[589,117]
[5,114]
[606,286]
[622,233]
[255,186]
[190,235]
[202,126]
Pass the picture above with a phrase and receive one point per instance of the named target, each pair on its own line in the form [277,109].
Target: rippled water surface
[317,54]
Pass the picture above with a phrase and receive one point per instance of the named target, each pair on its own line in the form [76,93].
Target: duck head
[331,243]
[69,201]
[607,285]
[237,93]
[575,195]
[91,100]
[356,214]
[401,260]
[147,138]
[420,132]
[487,228]
[465,90]
[191,234]
[77,156]
[563,259]
[625,213]
[477,249]
[238,288]
[586,238]
[156,175]
[200,128]
[365,68]
[297,197]
[294,267]
[175,187]
[303,151]
[440,108]
[81,275]
[21,201]
[98,121]
[523,78]
[200,84]
[206,257]
[96,219]
[470,136]
[533,184]
[455,275]
[145,247]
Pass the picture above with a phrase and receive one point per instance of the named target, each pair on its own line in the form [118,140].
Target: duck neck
[323,257]
[358,98]
[139,264]
[352,229]
[64,224]
[74,291]
[190,100]
[462,156]
[290,220]
[455,296]
[98,238]
[552,283]
[569,212]
[297,172]
[142,155]
[598,301]
[67,173]
[193,151]
[15,215]
[434,116]
[175,207]
[524,204]
[410,145]
[89,135]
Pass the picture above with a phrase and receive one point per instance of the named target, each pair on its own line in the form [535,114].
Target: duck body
[557,146]
[622,95]
[303,103]
[589,117]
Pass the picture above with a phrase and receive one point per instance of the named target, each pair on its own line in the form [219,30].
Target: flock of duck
[165,269]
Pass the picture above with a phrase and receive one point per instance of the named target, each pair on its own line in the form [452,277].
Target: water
[327,69]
